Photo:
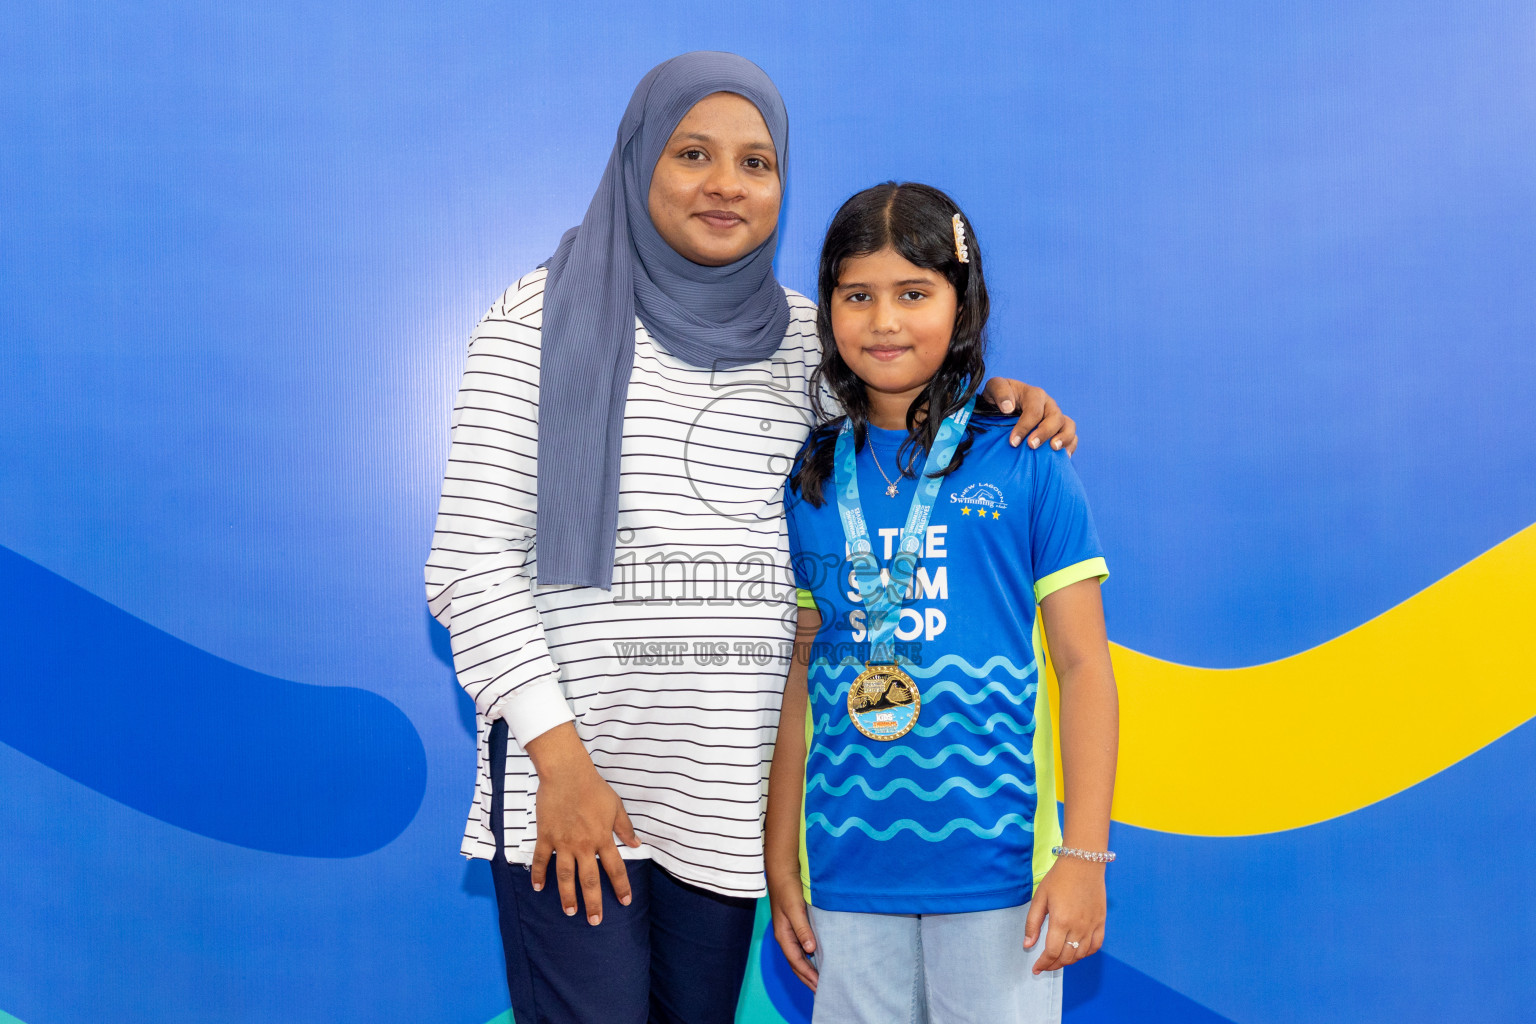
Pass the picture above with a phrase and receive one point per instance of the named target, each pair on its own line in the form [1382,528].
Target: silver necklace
[890,485]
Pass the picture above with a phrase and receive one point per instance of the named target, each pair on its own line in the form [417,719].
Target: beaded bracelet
[1090,855]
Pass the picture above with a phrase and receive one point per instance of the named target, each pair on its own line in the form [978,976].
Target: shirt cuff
[804,598]
[533,709]
[1047,585]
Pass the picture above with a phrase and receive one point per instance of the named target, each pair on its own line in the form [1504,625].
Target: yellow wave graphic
[1229,752]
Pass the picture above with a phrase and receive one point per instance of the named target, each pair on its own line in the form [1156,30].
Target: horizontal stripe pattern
[674,677]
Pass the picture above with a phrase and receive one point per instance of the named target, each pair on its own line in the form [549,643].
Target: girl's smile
[892,321]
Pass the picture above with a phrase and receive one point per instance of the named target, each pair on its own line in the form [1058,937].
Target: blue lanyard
[883,600]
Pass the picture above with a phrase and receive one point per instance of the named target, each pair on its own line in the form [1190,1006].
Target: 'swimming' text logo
[985,496]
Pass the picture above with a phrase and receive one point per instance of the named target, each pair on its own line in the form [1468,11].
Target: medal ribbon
[883,600]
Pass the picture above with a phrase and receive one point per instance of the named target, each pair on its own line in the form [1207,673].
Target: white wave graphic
[823,668]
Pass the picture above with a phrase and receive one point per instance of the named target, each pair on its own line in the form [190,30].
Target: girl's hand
[1040,418]
[792,925]
[1072,894]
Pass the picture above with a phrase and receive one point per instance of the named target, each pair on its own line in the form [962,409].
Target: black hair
[917,223]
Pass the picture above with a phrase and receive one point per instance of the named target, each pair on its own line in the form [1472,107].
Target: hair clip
[961,252]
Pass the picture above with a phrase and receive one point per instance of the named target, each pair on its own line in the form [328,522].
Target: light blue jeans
[931,969]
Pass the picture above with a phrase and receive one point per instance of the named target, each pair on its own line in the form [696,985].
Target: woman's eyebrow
[701,137]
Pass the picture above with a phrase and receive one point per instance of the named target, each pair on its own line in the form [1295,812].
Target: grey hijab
[610,269]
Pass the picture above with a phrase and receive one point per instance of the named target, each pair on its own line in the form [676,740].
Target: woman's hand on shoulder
[1041,420]
[1072,895]
[792,922]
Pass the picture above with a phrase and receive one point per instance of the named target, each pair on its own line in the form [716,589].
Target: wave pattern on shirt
[952,709]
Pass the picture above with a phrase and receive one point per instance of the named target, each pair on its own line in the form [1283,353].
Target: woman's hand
[791,923]
[1040,418]
[1072,894]
[577,816]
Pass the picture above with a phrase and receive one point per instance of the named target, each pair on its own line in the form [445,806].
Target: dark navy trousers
[675,955]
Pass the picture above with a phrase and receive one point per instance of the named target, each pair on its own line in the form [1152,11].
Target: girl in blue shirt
[913,851]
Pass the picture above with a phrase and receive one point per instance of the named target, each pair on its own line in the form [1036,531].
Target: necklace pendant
[890,491]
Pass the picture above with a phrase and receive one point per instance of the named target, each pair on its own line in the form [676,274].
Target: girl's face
[892,321]
[715,190]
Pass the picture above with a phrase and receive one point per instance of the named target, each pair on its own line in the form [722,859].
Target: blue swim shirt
[960,813]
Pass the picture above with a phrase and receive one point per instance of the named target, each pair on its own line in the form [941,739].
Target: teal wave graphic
[825,727]
[953,750]
[997,661]
[819,781]
[980,695]
[823,667]
[831,696]
[908,825]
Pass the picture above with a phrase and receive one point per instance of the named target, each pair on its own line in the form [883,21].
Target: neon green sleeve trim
[804,599]
[1047,823]
[1047,585]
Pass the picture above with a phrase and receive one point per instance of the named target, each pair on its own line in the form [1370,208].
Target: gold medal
[883,702]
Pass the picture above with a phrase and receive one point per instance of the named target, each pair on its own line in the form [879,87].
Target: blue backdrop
[1279,263]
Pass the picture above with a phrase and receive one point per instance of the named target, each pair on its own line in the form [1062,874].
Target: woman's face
[715,191]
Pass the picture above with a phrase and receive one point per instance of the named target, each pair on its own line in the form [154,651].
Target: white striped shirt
[684,732]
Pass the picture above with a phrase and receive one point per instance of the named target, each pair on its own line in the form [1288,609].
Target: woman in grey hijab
[630,409]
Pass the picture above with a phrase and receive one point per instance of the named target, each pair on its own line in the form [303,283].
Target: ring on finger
[1074,945]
